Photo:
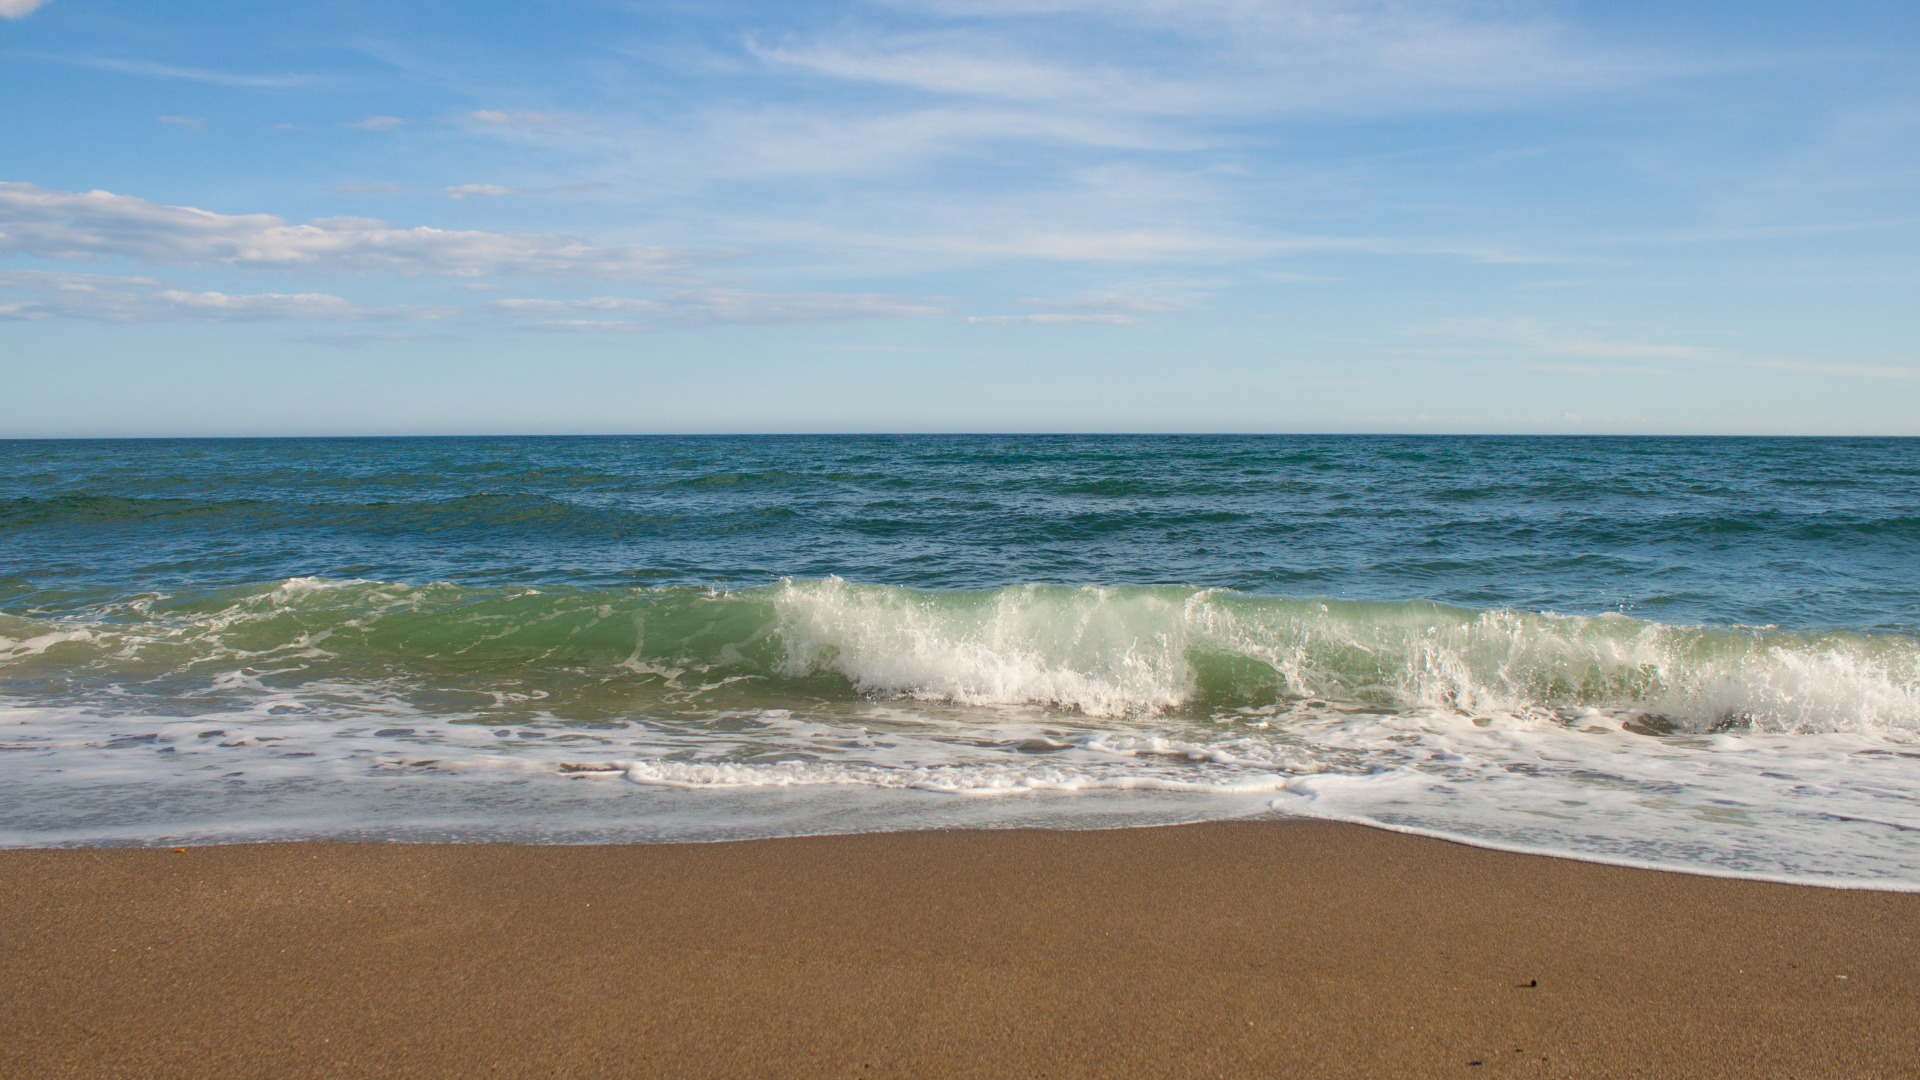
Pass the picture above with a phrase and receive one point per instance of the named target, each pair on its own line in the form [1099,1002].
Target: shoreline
[480,838]
[1235,948]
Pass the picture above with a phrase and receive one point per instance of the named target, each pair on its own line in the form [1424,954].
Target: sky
[601,217]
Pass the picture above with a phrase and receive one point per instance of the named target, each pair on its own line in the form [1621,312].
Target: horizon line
[983,434]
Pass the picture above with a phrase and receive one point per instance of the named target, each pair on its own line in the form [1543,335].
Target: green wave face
[585,654]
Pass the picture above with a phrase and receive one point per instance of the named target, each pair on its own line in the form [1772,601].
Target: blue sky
[959,215]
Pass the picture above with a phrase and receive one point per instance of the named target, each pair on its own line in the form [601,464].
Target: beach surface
[1229,949]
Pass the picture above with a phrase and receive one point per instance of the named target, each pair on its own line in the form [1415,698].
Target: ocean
[1693,653]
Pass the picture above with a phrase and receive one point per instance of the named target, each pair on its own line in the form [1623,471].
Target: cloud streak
[709,307]
[52,224]
[1117,133]
[497,118]
[1112,304]
[468,191]
[167,71]
[926,82]
[1225,57]
[1054,319]
[140,300]
[1894,372]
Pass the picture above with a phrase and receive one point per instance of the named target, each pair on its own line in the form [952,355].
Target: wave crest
[1103,652]
[1126,651]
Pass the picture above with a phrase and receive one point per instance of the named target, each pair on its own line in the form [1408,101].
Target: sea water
[1689,653]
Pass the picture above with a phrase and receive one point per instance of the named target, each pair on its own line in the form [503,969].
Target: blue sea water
[1698,653]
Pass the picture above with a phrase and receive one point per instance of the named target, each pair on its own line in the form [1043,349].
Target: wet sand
[1241,949]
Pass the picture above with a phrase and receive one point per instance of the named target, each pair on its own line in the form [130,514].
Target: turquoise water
[1684,652]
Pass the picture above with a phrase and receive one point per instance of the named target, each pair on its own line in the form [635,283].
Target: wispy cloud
[944,66]
[584,326]
[792,140]
[188,122]
[364,340]
[523,119]
[1107,310]
[380,188]
[468,191]
[551,308]
[99,224]
[708,307]
[18,9]
[1021,239]
[1227,57]
[1102,304]
[1073,132]
[716,305]
[1896,372]
[38,294]
[374,123]
[150,69]
[1054,318]
[138,299]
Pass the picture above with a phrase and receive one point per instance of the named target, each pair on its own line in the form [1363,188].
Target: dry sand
[1244,949]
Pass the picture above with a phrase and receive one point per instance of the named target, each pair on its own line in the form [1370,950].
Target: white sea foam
[363,708]
[29,645]
[1104,652]
[1838,808]
[1127,652]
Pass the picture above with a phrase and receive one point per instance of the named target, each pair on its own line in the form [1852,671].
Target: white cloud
[1053,318]
[168,71]
[1227,57]
[136,299]
[1109,310]
[937,66]
[1855,371]
[188,122]
[1102,304]
[382,188]
[51,224]
[467,191]
[746,306]
[522,119]
[18,9]
[361,341]
[585,326]
[37,294]
[598,304]
[790,140]
[1130,132]
[713,306]
[464,191]
[375,123]
[1020,240]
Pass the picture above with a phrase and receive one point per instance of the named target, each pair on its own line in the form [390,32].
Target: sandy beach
[1234,949]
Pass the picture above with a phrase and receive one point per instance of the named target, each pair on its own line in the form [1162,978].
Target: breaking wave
[1115,652]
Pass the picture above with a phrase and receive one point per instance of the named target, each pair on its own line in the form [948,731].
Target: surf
[1114,652]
